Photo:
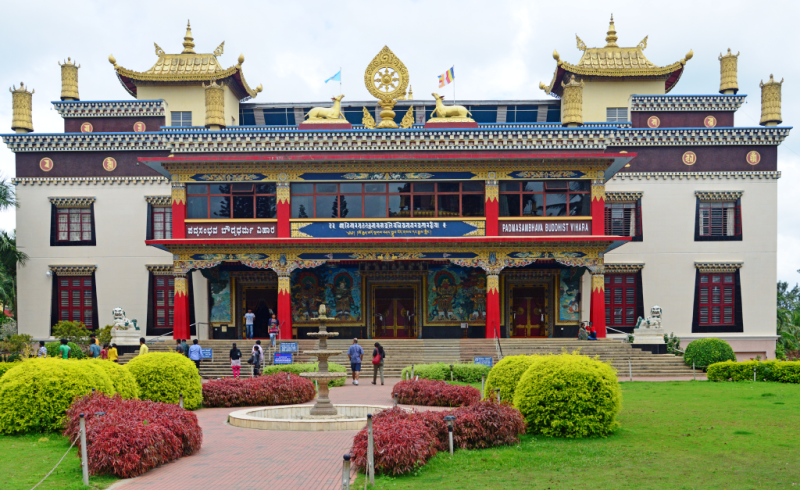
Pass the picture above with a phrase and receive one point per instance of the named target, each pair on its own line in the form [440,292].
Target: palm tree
[10,257]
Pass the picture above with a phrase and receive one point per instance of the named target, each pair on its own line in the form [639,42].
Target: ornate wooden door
[528,312]
[394,311]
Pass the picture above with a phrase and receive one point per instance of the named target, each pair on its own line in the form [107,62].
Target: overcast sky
[501,49]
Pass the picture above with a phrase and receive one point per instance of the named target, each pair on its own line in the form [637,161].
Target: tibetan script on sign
[546,227]
[231,230]
[388,229]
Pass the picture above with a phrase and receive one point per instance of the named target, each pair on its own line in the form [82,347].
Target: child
[104,352]
[273,329]
[236,361]
[112,353]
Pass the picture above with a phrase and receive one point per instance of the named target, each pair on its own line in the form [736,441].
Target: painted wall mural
[569,287]
[455,295]
[220,297]
[339,288]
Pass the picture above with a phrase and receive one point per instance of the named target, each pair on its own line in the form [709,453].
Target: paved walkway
[233,458]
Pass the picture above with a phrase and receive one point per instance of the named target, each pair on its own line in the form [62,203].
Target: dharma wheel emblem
[109,164]
[689,158]
[753,158]
[653,122]
[710,121]
[46,164]
[386,78]
[87,127]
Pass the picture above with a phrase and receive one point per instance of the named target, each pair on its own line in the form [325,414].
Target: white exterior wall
[120,255]
[669,253]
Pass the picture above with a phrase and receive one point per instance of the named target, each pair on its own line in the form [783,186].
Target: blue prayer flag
[335,78]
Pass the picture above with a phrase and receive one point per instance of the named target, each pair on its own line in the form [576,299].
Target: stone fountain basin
[299,418]
[324,376]
[328,353]
[323,334]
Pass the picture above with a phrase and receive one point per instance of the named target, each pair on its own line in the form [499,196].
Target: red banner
[254,229]
[536,227]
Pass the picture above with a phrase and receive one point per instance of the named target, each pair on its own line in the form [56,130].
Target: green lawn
[676,435]
[24,460]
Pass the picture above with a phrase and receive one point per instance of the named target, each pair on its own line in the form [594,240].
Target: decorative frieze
[631,268]
[699,136]
[623,196]
[72,202]
[159,201]
[84,142]
[161,269]
[623,176]
[718,196]
[718,266]
[88,180]
[111,108]
[651,103]
[73,270]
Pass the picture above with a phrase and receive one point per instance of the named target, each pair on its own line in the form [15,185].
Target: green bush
[162,376]
[35,394]
[781,371]
[72,331]
[5,366]
[308,367]
[705,352]
[121,377]
[467,373]
[569,395]
[505,375]
[75,351]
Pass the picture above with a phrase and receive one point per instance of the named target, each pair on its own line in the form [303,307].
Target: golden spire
[69,80]
[771,102]
[22,105]
[728,66]
[611,37]
[572,103]
[215,105]
[188,40]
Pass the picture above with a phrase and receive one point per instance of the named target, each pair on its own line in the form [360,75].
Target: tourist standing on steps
[258,357]
[355,353]
[196,354]
[185,347]
[273,329]
[378,354]
[236,360]
[143,349]
[64,349]
[104,352]
[112,354]
[249,317]
[42,350]
[179,346]
[95,350]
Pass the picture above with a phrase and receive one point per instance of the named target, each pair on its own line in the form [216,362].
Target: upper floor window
[616,114]
[719,221]
[181,118]
[546,198]
[72,221]
[237,201]
[162,223]
[387,200]
[75,303]
[624,219]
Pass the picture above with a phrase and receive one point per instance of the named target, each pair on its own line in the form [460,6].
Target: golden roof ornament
[327,115]
[449,113]
[368,121]
[771,102]
[22,105]
[215,106]
[572,103]
[408,119]
[188,40]
[728,67]
[386,78]
[611,35]
[69,80]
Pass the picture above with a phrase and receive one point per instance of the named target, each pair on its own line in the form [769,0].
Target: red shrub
[131,437]
[275,389]
[487,424]
[435,393]
[400,446]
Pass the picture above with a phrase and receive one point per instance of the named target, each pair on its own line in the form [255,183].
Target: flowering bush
[129,437]
[163,376]
[435,393]
[276,389]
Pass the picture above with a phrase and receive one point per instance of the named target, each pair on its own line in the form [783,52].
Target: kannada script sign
[546,228]
[388,229]
[231,230]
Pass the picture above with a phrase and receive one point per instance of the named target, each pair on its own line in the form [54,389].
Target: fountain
[323,407]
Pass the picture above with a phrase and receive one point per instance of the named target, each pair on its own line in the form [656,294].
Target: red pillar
[598,207]
[180,328]
[492,305]
[178,212]
[597,310]
[492,208]
[284,213]
[285,307]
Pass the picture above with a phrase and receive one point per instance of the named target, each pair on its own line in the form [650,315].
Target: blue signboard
[390,229]
[486,361]
[288,346]
[206,353]
[283,358]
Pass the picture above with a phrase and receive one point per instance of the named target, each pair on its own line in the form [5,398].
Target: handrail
[497,341]
[155,339]
[618,331]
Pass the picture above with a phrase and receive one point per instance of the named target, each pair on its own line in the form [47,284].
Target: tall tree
[10,257]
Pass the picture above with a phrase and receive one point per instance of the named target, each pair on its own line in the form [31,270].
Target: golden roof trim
[159,201]
[717,196]
[73,270]
[72,202]
[623,268]
[623,196]
[718,266]
[160,269]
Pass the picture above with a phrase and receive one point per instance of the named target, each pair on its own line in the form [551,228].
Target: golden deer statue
[327,113]
[445,111]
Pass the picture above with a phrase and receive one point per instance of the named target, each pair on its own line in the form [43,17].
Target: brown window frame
[628,301]
[192,191]
[632,212]
[166,216]
[166,286]
[726,296]
[714,228]
[67,309]
[549,187]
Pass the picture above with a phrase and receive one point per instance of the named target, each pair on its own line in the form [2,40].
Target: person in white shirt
[258,358]
[249,317]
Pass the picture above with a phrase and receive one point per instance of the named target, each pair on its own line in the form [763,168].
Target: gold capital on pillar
[283,192]
[492,283]
[284,284]
[178,193]
[598,190]
[181,286]
[492,190]
[598,283]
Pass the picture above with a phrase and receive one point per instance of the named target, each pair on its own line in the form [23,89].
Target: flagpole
[340,80]
[454,84]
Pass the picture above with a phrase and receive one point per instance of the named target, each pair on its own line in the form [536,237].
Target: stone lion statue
[653,321]
[121,322]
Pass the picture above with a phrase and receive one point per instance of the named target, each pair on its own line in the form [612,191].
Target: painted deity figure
[343,295]
[445,294]
[479,300]
[308,300]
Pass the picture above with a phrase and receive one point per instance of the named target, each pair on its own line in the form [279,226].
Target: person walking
[64,349]
[185,347]
[112,354]
[104,352]
[273,329]
[143,349]
[42,350]
[258,357]
[236,360]
[95,350]
[355,353]
[249,317]
[196,354]
[378,354]
[179,346]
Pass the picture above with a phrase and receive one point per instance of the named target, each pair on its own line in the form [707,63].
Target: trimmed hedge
[308,367]
[466,373]
[5,366]
[274,389]
[434,393]
[569,395]
[780,371]
[132,436]
[705,352]
[36,393]
[124,382]
[162,376]
[75,351]
[505,375]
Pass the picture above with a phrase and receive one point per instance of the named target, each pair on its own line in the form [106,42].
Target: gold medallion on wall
[653,122]
[46,164]
[753,158]
[386,78]
[87,127]
[109,164]
[710,122]
[139,127]
[689,158]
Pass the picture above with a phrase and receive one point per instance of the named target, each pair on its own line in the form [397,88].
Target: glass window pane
[243,188]
[326,188]
[424,187]
[448,205]
[197,207]
[350,188]
[196,189]
[509,204]
[220,207]
[266,189]
[472,205]
[326,207]
[448,186]
[399,206]
[556,205]
[375,206]
[400,187]
[350,206]
[266,207]
[302,206]
[424,206]
[533,204]
[374,188]
[302,188]
[533,187]
[221,189]
[472,186]
[242,207]
[578,185]
[509,186]
[579,204]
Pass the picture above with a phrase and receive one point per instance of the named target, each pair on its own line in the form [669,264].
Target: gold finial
[241,59]
[386,78]
[581,44]
[688,56]
[220,49]
[556,56]
[771,102]
[259,89]
[572,103]
[159,52]
[112,60]
[368,121]
[728,68]
[69,80]
[22,105]
[643,44]
[215,105]
[611,35]
[188,40]
[408,119]
[410,93]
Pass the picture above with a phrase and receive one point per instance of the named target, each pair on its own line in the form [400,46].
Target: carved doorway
[395,312]
[263,301]
[529,312]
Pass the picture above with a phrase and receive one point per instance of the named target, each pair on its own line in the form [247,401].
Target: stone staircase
[402,353]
